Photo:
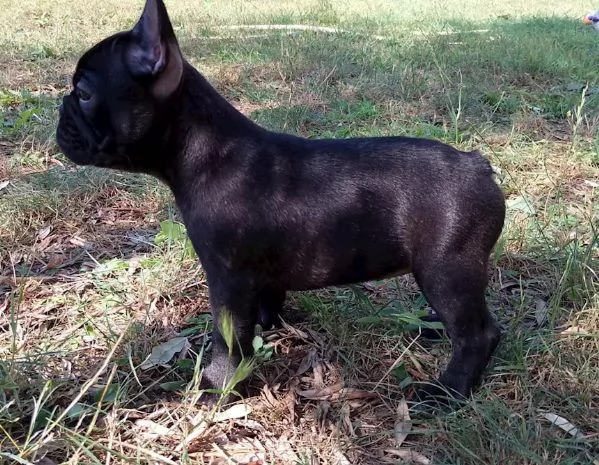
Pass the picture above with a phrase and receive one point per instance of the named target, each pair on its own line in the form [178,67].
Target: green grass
[95,271]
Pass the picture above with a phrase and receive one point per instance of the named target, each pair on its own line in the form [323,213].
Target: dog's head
[122,97]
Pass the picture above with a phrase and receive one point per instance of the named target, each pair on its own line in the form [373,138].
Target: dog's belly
[324,273]
[394,274]
[306,285]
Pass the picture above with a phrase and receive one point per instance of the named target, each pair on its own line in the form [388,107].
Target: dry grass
[87,291]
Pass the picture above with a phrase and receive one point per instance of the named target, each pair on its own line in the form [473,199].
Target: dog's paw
[434,397]
[213,385]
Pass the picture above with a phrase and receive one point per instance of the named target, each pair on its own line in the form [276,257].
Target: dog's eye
[82,95]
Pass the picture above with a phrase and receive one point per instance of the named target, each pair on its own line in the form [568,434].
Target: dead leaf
[55,261]
[282,448]
[268,396]
[44,232]
[3,184]
[318,373]
[340,459]
[233,413]
[321,393]
[541,312]
[321,415]
[163,353]
[154,429]
[573,330]
[307,362]
[410,455]
[335,394]
[403,423]
[290,398]
[564,424]
[297,332]
[199,429]
[346,423]
[251,424]
[244,451]
[78,241]
[317,338]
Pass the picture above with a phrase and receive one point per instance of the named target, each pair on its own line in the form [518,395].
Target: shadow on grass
[538,65]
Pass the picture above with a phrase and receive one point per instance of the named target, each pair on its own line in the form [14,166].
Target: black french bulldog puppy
[269,213]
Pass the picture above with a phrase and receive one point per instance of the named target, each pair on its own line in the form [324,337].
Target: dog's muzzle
[74,135]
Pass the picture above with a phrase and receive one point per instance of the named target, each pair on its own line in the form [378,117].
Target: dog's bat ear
[153,51]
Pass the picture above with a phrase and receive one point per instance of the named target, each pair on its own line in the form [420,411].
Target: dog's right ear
[154,51]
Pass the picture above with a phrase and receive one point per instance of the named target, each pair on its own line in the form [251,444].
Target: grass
[95,270]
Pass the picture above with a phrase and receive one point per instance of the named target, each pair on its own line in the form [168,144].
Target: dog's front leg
[235,312]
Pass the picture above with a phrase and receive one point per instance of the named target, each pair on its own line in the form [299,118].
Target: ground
[103,306]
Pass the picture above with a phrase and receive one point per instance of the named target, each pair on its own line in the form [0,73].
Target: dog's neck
[212,127]
[208,108]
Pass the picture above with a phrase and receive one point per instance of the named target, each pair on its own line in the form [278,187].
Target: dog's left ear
[154,52]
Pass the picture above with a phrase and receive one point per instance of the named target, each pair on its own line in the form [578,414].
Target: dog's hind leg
[455,287]
[271,306]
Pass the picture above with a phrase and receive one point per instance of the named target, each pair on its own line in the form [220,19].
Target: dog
[270,212]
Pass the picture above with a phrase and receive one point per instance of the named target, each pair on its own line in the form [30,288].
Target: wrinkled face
[109,112]
[120,89]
